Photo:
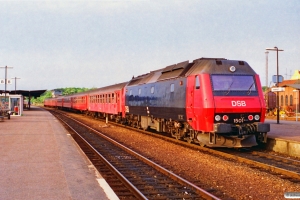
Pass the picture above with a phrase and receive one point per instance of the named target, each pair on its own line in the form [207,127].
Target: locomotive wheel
[201,144]
[189,140]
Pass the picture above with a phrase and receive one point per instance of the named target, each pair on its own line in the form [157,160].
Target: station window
[291,100]
[172,87]
[152,89]
[281,100]
[140,91]
[130,92]
[286,100]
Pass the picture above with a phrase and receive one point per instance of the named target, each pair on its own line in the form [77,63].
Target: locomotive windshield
[233,85]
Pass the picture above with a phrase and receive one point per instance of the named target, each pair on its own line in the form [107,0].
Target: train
[214,102]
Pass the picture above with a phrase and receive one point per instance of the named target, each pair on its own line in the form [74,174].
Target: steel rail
[131,187]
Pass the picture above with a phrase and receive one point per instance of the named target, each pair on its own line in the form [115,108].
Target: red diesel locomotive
[211,101]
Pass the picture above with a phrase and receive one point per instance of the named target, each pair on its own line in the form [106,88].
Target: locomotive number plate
[239,120]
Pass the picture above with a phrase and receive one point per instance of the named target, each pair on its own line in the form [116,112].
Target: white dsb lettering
[238,103]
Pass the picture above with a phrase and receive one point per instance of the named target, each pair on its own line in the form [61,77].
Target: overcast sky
[55,44]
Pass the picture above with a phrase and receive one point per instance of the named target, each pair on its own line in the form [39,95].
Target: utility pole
[5,80]
[15,83]
[277,82]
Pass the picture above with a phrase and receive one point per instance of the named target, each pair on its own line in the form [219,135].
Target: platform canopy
[26,93]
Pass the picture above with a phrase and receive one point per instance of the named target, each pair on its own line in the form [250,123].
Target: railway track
[129,174]
[281,166]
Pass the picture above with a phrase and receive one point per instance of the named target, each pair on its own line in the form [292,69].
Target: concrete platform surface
[40,160]
[289,130]
[284,137]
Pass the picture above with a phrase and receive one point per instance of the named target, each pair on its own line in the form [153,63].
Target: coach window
[152,89]
[172,87]
[112,97]
[197,83]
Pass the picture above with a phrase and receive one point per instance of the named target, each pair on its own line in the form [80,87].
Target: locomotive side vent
[218,62]
[241,63]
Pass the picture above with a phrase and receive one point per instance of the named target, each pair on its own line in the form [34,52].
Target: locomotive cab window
[152,90]
[197,83]
[172,87]
[227,84]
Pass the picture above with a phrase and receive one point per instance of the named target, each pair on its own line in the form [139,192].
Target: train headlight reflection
[217,117]
[256,117]
[225,118]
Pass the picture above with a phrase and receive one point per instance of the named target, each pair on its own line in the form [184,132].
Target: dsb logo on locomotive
[238,103]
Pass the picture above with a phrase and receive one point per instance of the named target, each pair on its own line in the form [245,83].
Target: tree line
[65,91]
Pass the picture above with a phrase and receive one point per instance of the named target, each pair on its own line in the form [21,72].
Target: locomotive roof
[198,66]
[219,66]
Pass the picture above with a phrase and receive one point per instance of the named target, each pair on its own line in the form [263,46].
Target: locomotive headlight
[217,117]
[225,118]
[256,117]
[232,68]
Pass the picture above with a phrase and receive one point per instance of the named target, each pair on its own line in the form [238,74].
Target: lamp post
[5,80]
[277,100]
[15,83]
[297,100]
[267,67]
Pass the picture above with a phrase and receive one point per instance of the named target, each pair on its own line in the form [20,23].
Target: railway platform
[40,160]
[284,137]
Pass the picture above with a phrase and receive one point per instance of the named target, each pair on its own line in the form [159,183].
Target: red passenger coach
[79,101]
[107,100]
[50,102]
[66,102]
[59,102]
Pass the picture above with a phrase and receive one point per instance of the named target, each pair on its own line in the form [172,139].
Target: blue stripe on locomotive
[162,103]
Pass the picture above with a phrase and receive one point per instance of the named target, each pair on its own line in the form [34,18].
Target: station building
[288,95]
